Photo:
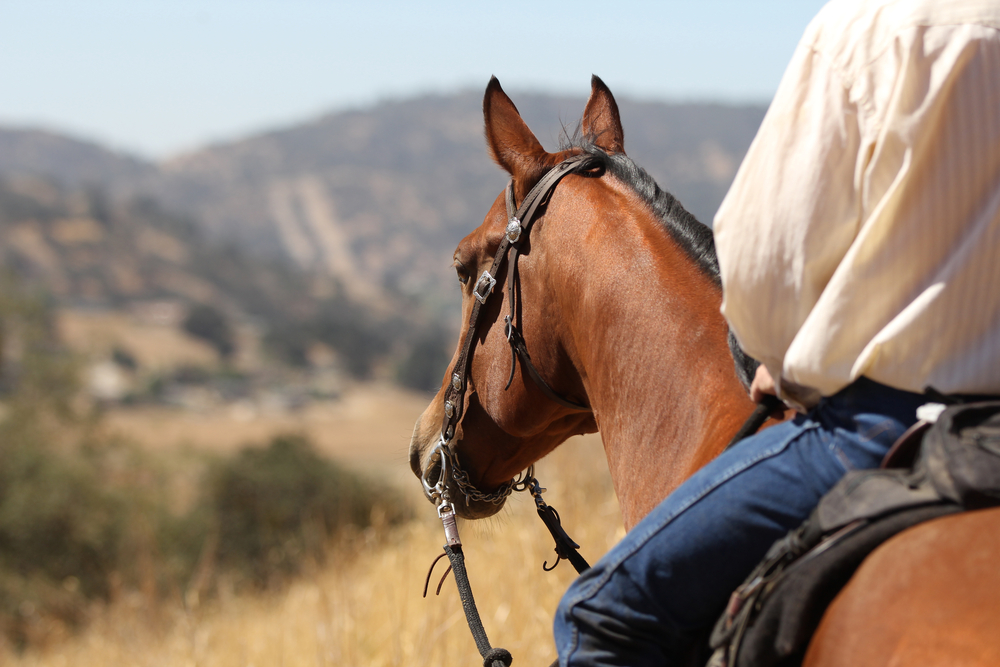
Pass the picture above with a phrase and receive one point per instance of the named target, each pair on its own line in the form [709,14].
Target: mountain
[70,162]
[377,198]
[380,197]
[92,253]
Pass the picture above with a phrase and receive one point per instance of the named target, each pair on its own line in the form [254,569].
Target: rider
[858,248]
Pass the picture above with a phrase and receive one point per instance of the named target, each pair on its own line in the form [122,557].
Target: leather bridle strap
[518,228]
[518,348]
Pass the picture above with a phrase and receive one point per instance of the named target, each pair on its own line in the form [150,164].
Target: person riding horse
[858,255]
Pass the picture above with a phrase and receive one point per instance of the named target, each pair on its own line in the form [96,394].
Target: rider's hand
[763,384]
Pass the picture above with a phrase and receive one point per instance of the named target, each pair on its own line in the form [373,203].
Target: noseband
[519,224]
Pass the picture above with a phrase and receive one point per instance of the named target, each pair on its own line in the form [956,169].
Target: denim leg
[668,580]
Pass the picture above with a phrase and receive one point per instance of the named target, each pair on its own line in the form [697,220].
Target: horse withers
[616,296]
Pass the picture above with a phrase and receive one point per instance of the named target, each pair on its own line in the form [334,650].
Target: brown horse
[618,301]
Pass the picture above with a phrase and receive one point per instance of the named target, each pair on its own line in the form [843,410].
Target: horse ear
[511,143]
[601,122]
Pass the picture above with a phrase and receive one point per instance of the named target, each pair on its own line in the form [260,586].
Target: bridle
[519,223]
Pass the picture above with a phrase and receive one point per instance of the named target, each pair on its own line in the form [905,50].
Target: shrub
[61,520]
[60,534]
[84,516]
[277,507]
[212,326]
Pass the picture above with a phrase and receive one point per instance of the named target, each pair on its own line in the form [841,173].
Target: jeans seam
[725,476]
[877,430]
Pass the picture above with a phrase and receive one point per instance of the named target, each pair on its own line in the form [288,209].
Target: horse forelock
[693,237]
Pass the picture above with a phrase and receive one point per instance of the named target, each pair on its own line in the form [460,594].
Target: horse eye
[463,276]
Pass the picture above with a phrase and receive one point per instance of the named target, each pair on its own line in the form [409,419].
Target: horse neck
[667,401]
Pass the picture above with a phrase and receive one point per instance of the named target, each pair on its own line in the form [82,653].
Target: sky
[158,77]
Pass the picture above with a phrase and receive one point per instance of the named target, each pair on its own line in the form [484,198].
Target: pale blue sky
[155,77]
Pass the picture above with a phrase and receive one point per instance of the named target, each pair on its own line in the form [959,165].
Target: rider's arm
[863,222]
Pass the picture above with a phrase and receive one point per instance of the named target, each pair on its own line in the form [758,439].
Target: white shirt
[861,236]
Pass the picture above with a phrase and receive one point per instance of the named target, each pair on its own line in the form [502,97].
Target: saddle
[947,463]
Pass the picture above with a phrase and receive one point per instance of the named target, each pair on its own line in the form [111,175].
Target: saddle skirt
[772,616]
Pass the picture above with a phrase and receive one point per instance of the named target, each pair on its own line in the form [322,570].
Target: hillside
[378,197]
[90,253]
[69,161]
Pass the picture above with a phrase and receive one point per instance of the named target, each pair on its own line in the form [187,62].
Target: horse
[618,298]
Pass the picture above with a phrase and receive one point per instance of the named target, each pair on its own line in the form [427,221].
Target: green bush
[61,534]
[425,365]
[211,325]
[57,520]
[62,516]
[359,340]
[80,524]
[277,507]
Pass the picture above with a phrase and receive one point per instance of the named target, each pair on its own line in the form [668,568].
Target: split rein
[443,461]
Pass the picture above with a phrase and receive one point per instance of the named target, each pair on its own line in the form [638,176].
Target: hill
[378,197]
[336,232]
[92,253]
[69,161]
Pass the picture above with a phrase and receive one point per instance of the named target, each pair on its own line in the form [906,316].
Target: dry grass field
[363,606]
[368,428]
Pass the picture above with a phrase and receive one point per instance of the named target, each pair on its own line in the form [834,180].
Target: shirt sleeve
[793,209]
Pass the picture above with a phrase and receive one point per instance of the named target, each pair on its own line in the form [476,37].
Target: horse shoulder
[930,596]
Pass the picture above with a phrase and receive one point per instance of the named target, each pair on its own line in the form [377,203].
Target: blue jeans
[653,596]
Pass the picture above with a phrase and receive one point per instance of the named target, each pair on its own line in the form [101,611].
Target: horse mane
[693,237]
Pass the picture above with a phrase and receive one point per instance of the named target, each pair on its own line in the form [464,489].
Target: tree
[211,325]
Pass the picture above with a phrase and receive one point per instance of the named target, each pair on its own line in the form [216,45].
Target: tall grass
[364,606]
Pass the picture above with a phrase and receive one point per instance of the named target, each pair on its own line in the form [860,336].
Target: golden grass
[368,427]
[364,607]
[158,348]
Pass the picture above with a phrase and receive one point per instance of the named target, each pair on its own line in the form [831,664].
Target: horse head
[507,425]
[614,289]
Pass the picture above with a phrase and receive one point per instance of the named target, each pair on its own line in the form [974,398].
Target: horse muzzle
[436,474]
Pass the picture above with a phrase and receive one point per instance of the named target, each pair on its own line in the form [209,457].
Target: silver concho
[513,230]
